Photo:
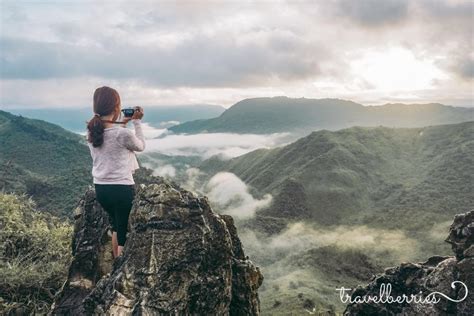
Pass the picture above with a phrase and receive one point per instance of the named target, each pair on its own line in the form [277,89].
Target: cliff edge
[180,258]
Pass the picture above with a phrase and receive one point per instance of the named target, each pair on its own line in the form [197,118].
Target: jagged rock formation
[180,258]
[436,274]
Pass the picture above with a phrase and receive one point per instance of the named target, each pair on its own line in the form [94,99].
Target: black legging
[116,200]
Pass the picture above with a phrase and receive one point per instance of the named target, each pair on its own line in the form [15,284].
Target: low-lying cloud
[166,171]
[392,245]
[230,195]
[226,145]
[151,132]
[192,179]
[299,236]
[167,124]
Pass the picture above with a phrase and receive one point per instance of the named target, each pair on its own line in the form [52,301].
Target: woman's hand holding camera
[137,115]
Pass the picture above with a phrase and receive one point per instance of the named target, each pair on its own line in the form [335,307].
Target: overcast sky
[55,54]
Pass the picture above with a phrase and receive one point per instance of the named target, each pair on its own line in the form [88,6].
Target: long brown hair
[106,100]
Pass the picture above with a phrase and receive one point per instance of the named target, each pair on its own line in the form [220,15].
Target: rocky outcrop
[180,258]
[437,274]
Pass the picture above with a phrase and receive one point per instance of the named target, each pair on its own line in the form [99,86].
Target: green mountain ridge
[360,175]
[43,160]
[396,189]
[302,116]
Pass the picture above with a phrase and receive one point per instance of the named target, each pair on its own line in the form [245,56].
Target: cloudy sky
[54,54]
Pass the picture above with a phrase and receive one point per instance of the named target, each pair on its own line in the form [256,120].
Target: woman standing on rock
[112,149]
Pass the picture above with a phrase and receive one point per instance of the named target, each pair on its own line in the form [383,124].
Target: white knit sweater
[114,161]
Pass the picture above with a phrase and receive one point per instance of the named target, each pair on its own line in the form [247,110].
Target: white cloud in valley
[192,179]
[230,195]
[299,237]
[151,132]
[166,171]
[225,145]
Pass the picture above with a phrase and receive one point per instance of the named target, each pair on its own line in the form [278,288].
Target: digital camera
[128,112]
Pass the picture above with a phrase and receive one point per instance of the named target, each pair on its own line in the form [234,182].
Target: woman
[112,149]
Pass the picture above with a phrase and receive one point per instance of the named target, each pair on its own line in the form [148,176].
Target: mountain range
[302,116]
[396,189]
[359,175]
[73,119]
[404,183]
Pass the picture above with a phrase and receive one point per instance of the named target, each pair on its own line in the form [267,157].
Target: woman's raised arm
[132,141]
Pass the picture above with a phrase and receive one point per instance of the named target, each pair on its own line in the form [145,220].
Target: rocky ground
[180,258]
[436,274]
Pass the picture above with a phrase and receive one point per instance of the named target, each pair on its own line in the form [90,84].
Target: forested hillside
[43,160]
[379,175]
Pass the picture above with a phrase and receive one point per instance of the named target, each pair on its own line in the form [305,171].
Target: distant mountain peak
[264,115]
